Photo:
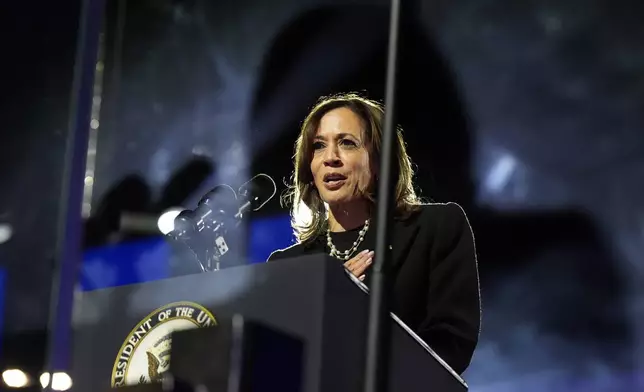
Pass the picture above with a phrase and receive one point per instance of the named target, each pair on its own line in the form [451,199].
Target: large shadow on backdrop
[132,194]
[551,290]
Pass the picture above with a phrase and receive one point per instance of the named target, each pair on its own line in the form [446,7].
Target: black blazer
[435,279]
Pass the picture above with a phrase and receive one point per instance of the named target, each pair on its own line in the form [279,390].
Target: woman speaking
[435,275]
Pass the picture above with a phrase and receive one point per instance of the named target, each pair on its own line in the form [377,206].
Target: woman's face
[340,165]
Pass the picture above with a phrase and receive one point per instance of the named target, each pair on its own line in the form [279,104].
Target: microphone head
[221,197]
[215,205]
[259,190]
[184,225]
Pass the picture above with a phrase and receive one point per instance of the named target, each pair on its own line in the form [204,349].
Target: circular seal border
[148,316]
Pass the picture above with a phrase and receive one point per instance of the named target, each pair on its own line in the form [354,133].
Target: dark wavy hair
[301,192]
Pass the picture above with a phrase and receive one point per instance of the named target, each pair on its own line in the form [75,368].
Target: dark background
[529,114]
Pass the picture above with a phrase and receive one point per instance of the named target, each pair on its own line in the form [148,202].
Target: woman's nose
[331,156]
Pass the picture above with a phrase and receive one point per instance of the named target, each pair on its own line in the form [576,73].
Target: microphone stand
[376,376]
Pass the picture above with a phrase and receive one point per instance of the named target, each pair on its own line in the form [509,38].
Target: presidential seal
[145,354]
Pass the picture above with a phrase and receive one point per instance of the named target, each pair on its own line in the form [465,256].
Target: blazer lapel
[402,237]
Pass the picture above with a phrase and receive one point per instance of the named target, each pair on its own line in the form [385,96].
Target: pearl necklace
[344,255]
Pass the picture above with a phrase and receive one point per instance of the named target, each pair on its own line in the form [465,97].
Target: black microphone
[215,205]
[203,230]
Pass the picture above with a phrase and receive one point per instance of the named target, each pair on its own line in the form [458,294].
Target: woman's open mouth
[333,181]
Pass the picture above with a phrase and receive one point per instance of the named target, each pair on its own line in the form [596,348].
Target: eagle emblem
[144,357]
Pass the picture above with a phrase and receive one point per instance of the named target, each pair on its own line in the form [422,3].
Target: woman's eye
[317,145]
[347,142]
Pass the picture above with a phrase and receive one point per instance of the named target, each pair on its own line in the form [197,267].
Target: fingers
[357,260]
[362,267]
[358,265]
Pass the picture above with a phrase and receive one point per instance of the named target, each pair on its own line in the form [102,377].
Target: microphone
[256,192]
[203,230]
[212,207]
